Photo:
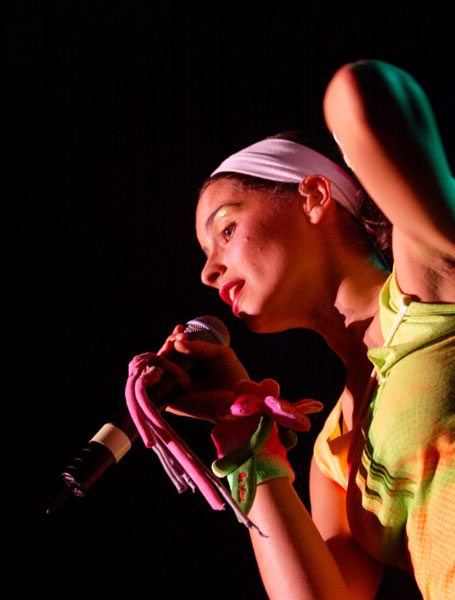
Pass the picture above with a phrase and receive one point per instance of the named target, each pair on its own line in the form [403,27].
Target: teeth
[230,290]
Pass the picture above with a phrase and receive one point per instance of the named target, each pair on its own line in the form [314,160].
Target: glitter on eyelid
[221,213]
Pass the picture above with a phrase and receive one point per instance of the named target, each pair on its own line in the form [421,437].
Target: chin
[263,323]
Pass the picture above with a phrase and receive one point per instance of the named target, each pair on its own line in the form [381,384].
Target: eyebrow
[213,214]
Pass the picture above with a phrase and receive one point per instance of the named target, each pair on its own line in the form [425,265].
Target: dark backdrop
[115,112]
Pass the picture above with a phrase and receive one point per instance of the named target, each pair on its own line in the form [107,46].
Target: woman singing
[281,227]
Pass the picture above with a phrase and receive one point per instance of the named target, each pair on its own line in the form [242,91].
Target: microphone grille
[208,329]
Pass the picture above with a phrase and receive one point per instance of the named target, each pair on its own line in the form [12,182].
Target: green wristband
[253,464]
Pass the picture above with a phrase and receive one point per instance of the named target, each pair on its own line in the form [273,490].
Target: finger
[202,405]
[139,362]
[168,345]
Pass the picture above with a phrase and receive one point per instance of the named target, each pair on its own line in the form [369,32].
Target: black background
[114,114]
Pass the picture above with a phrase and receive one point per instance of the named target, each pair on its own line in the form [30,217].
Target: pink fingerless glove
[250,450]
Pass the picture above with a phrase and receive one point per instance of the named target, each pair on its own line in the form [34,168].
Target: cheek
[247,257]
[262,249]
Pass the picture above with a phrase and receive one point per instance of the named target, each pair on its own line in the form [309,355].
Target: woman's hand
[213,383]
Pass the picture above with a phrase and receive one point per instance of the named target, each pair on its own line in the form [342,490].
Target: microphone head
[208,329]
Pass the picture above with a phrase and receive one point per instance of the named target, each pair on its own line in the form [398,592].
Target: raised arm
[384,124]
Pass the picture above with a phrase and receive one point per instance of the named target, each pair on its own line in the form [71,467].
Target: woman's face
[257,252]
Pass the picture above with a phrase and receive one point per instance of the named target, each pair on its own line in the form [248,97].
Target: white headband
[288,162]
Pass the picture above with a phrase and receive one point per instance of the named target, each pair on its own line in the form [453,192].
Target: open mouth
[230,292]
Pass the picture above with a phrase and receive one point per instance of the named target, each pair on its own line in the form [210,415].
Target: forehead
[219,190]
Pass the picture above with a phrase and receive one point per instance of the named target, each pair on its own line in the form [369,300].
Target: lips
[230,292]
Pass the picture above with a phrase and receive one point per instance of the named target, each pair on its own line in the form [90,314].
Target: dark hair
[376,225]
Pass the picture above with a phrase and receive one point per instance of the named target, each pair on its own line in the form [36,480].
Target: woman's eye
[228,232]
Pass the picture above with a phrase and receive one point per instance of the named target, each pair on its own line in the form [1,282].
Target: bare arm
[302,557]
[387,131]
[305,558]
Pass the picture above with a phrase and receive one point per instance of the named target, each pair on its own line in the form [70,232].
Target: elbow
[374,92]
[371,99]
[364,75]
[344,103]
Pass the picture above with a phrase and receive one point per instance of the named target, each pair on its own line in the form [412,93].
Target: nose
[211,272]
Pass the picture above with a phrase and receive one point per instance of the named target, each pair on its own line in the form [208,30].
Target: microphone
[108,446]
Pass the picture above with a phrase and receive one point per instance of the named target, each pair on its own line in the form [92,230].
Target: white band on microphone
[288,162]
[114,439]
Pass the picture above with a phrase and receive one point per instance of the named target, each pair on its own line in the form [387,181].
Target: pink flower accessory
[181,464]
[263,399]
[249,447]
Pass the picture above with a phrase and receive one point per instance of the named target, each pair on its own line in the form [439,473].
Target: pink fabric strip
[184,468]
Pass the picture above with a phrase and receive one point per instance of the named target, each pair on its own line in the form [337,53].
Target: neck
[349,320]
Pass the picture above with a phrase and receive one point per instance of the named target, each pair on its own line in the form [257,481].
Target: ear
[317,197]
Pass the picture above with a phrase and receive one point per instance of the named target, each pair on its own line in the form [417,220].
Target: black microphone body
[116,437]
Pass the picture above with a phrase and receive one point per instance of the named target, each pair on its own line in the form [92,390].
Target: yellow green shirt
[398,465]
